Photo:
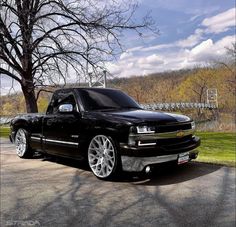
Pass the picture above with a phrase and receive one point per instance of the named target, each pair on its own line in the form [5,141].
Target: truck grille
[173,128]
[166,139]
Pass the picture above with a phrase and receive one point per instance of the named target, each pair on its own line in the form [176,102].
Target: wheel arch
[21,124]
[114,133]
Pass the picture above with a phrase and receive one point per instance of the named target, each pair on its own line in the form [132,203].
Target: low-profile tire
[103,157]
[23,149]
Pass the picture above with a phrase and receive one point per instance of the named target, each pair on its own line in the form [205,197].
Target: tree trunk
[27,84]
[30,100]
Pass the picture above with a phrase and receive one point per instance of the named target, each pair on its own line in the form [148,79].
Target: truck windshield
[106,99]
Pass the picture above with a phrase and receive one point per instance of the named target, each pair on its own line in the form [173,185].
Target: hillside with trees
[167,87]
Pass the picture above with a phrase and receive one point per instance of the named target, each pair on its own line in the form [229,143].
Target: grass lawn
[217,147]
[4,131]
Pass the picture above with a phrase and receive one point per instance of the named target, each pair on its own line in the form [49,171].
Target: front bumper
[136,158]
[137,164]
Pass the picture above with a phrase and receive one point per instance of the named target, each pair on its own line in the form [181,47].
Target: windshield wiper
[108,108]
[132,107]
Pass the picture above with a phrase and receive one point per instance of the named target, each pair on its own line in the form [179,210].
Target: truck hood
[141,116]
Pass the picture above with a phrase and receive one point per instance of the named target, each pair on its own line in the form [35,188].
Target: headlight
[193,125]
[134,135]
[145,129]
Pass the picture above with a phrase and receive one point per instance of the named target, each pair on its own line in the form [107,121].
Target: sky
[191,33]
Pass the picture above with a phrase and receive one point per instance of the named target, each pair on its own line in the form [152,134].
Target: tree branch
[4,71]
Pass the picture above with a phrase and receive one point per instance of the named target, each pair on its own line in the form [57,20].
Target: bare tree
[42,42]
[230,65]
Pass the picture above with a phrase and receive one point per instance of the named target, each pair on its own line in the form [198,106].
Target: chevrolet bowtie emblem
[180,134]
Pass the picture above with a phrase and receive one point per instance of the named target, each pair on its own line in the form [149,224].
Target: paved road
[57,192]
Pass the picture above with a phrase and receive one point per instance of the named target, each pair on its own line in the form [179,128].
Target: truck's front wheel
[23,149]
[102,157]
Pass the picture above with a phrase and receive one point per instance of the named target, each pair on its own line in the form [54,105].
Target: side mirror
[66,108]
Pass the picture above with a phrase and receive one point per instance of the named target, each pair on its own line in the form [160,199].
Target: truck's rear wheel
[102,157]
[23,149]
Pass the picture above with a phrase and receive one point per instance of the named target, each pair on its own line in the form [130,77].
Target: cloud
[192,39]
[158,47]
[202,47]
[151,59]
[125,55]
[202,54]
[210,51]
[216,24]
[149,63]
[220,22]
[135,49]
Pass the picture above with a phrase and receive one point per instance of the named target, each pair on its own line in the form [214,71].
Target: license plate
[183,158]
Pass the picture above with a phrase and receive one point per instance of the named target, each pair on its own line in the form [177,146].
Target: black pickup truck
[107,128]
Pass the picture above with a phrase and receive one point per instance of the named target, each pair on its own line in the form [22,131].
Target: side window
[51,105]
[59,99]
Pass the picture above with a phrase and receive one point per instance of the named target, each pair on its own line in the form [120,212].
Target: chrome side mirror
[66,108]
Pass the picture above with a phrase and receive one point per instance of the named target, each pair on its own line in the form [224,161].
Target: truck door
[61,129]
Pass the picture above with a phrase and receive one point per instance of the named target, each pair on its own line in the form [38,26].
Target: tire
[103,158]
[23,149]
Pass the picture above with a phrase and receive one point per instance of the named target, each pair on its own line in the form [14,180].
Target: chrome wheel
[21,143]
[102,156]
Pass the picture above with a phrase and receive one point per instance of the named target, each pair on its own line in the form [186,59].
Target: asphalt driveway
[58,192]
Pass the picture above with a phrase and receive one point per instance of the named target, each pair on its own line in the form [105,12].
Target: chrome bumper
[137,164]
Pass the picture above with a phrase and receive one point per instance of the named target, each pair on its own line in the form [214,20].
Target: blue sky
[192,33]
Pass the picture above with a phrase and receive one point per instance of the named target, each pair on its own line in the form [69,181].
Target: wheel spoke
[99,143]
[97,150]
[110,159]
[93,156]
[109,168]
[103,170]
[97,170]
